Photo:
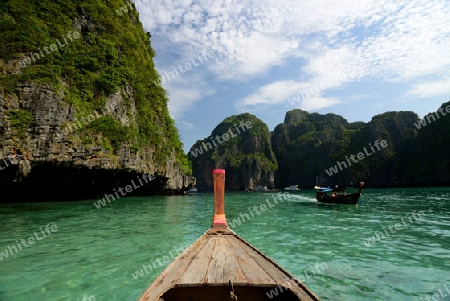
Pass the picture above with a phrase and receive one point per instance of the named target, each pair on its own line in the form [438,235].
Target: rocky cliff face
[304,145]
[50,154]
[393,149]
[70,129]
[431,164]
[241,145]
[387,167]
[387,151]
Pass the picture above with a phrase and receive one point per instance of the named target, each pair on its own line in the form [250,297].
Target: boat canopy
[324,189]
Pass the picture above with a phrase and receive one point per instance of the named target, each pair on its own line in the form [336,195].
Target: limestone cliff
[327,150]
[431,165]
[241,145]
[392,149]
[305,144]
[80,117]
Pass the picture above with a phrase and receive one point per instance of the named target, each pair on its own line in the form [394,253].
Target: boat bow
[220,266]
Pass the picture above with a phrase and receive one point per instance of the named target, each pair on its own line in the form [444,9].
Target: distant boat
[337,195]
[221,266]
[191,190]
[261,189]
[292,188]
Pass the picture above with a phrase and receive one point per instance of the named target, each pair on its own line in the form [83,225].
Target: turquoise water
[94,252]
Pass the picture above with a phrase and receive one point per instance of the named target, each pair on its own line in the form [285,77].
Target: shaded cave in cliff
[56,181]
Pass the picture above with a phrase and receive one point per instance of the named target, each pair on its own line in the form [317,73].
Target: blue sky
[352,58]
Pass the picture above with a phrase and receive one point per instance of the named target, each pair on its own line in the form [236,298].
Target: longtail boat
[221,266]
[338,195]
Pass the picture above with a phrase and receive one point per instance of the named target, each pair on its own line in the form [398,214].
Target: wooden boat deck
[217,258]
[221,266]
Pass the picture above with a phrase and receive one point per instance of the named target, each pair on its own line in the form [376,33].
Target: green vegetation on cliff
[247,155]
[20,121]
[431,148]
[311,146]
[112,54]
[257,129]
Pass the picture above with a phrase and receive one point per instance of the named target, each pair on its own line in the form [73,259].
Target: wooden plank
[215,259]
[214,274]
[269,267]
[223,266]
[280,275]
[197,270]
[170,276]
[232,270]
[253,272]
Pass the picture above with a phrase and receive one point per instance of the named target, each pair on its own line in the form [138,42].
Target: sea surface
[94,254]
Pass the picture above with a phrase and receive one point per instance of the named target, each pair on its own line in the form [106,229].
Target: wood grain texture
[217,258]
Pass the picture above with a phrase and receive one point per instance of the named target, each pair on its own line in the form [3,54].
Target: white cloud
[255,54]
[318,103]
[343,42]
[407,45]
[305,96]
[431,89]
[181,100]
[275,93]
[406,39]
[188,126]
[184,92]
